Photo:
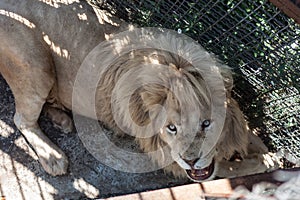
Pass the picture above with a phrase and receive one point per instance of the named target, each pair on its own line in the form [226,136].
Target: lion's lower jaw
[203,174]
[181,173]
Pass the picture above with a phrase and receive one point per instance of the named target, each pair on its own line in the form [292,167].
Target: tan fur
[41,54]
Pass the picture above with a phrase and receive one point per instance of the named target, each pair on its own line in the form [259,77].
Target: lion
[44,43]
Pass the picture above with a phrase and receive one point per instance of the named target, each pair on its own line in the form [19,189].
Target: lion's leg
[258,160]
[251,164]
[30,75]
[59,118]
[237,138]
[29,103]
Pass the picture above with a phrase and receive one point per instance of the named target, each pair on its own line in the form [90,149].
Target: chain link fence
[256,39]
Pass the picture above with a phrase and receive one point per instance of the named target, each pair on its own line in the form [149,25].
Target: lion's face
[181,118]
[172,108]
[184,131]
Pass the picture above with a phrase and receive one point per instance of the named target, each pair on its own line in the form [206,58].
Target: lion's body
[54,41]
[42,48]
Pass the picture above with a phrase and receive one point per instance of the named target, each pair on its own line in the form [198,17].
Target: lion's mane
[193,91]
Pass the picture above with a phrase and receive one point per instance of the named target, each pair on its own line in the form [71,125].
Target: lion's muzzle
[199,175]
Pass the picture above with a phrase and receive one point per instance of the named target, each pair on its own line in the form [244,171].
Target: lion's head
[179,111]
[166,103]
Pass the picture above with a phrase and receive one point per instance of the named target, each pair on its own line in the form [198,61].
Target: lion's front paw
[271,161]
[66,124]
[55,162]
[60,119]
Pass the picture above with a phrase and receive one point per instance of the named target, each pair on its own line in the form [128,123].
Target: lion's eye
[171,128]
[205,123]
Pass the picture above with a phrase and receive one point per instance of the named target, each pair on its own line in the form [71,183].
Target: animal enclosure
[256,39]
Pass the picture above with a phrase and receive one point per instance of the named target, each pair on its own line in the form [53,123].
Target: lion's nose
[191,162]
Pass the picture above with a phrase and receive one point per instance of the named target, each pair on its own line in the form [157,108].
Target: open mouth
[201,174]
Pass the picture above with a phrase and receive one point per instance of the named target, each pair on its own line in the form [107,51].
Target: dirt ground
[22,177]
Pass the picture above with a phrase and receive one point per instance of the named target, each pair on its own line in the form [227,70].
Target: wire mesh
[255,38]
